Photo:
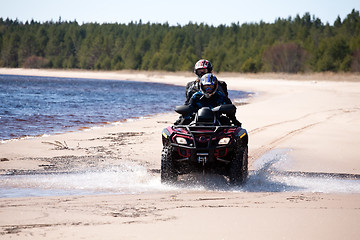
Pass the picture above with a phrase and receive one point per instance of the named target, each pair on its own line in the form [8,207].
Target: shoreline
[52,118]
[310,127]
[177,77]
[81,128]
[51,73]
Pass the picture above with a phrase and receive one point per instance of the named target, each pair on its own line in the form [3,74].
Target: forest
[292,45]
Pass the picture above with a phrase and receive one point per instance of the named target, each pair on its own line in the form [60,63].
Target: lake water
[32,106]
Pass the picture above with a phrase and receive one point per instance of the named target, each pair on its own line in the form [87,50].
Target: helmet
[208,84]
[202,64]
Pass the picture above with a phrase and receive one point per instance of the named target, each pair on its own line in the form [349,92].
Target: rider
[210,96]
[202,67]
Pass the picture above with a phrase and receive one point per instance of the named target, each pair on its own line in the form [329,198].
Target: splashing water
[132,178]
[267,178]
[129,178]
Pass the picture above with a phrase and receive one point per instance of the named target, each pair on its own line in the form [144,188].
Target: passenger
[202,67]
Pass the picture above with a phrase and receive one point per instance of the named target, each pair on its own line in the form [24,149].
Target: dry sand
[314,119]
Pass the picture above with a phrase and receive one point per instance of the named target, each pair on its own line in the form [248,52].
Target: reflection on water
[132,178]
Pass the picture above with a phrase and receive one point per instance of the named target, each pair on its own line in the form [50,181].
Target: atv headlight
[181,140]
[224,141]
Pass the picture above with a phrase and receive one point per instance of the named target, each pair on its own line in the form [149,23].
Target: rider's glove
[236,123]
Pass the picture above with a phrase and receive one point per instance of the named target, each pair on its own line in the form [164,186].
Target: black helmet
[208,84]
[202,64]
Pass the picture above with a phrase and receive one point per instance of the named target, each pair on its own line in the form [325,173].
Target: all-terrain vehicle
[210,144]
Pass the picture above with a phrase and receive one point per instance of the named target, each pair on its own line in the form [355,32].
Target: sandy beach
[301,126]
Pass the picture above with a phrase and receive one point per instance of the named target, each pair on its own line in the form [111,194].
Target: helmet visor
[200,72]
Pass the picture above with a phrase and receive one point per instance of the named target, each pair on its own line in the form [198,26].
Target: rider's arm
[223,87]
[191,88]
[232,117]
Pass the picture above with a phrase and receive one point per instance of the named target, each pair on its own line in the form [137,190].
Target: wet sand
[314,118]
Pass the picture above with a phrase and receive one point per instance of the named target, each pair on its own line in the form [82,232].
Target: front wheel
[168,173]
[238,171]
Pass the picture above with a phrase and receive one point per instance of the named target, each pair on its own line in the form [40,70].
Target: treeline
[300,44]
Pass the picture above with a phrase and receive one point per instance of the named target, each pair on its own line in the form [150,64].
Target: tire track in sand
[274,142]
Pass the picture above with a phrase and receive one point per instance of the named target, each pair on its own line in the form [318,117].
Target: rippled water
[33,106]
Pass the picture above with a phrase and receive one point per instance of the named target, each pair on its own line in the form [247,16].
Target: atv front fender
[242,135]
[166,134]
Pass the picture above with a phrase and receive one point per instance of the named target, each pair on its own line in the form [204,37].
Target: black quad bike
[209,144]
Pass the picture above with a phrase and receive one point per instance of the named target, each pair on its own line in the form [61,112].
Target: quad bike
[208,144]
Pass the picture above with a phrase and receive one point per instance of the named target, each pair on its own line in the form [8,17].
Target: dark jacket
[194,86]
[198,100]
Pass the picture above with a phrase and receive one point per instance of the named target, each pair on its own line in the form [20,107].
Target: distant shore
[315,117]
[176,77]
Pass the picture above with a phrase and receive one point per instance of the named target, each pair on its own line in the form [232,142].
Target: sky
[174,12]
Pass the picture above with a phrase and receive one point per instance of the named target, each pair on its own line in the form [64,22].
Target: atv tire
[238,169]
[168,173]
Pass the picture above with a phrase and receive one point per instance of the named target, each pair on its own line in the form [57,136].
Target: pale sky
[174,12]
